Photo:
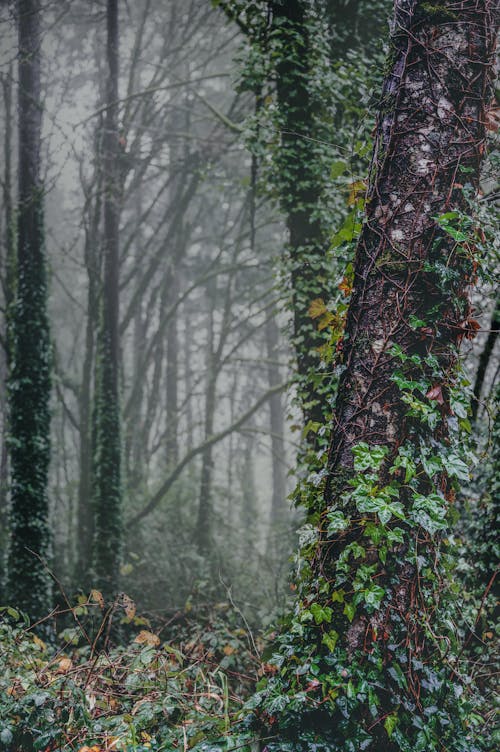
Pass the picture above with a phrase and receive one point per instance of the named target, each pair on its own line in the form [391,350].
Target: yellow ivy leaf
[228,650]
[97,597]
[317,308]
[325,321]
[356,190]
[39,643]
[147,638]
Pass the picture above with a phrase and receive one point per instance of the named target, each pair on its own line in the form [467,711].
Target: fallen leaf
[147,638]
[97,597]
[228,650]
[64,665]
[129,606]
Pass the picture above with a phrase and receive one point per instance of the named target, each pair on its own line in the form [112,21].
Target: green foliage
[148,694]
[408,688]
[28,581]
[308,84]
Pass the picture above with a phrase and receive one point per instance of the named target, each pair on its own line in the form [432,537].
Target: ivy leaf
[337,522]
[368,458]
[337,168]
[415,322]
[390,724]
[349,610]
[321,613]
[317,308]
[457,468]
[373,596]
[330,639]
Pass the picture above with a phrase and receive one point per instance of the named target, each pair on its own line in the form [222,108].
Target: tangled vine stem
[367,660]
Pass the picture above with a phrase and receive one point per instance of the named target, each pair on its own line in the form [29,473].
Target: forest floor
[177,685]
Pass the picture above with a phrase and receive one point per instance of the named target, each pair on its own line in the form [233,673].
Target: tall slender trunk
[108,481]
[85,508]
[8,282]
[301,197]
[172,446]
[29,585]
[204,520]
[277,426]
[484,359]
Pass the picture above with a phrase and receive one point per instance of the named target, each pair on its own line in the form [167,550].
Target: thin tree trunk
[301,198]
[108,481]
[484,359]
[204,520]
[9,281]
[277,427]
[172,407]
[85,508]
[29,585]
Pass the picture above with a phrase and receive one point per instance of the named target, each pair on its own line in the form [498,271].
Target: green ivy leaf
[390,724]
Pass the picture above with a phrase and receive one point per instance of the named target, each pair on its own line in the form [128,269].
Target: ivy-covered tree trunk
[302,182]
[368,663]
[28,581]
[8,289]
[107,459]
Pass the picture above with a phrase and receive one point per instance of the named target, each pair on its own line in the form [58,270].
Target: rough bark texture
[368,662]
[29,585]
[108,483]
[431,128]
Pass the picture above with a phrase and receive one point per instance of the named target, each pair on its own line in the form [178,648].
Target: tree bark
[108,481]
[8,284]
[404,314]
[29,585]
[92,259]
[484,359]
[277,427]
[375,595]
[301,195]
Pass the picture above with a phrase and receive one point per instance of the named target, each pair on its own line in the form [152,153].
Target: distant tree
[107,451]
[370,661]
[28,583]
[8,282]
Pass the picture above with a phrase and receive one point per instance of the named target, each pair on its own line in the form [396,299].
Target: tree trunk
[277,427]
[301,196]
[85,508]
[108,482]
[29,585]
[484,359]
[373,609]
[8,284]
[172,407]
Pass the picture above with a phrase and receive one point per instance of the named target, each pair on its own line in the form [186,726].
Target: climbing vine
[370,658]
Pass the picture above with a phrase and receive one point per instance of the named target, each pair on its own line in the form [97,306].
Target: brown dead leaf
[147,638]
[97,597]
[129,606]
[64,665]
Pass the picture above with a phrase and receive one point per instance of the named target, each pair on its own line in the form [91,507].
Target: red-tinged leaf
[436,393]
